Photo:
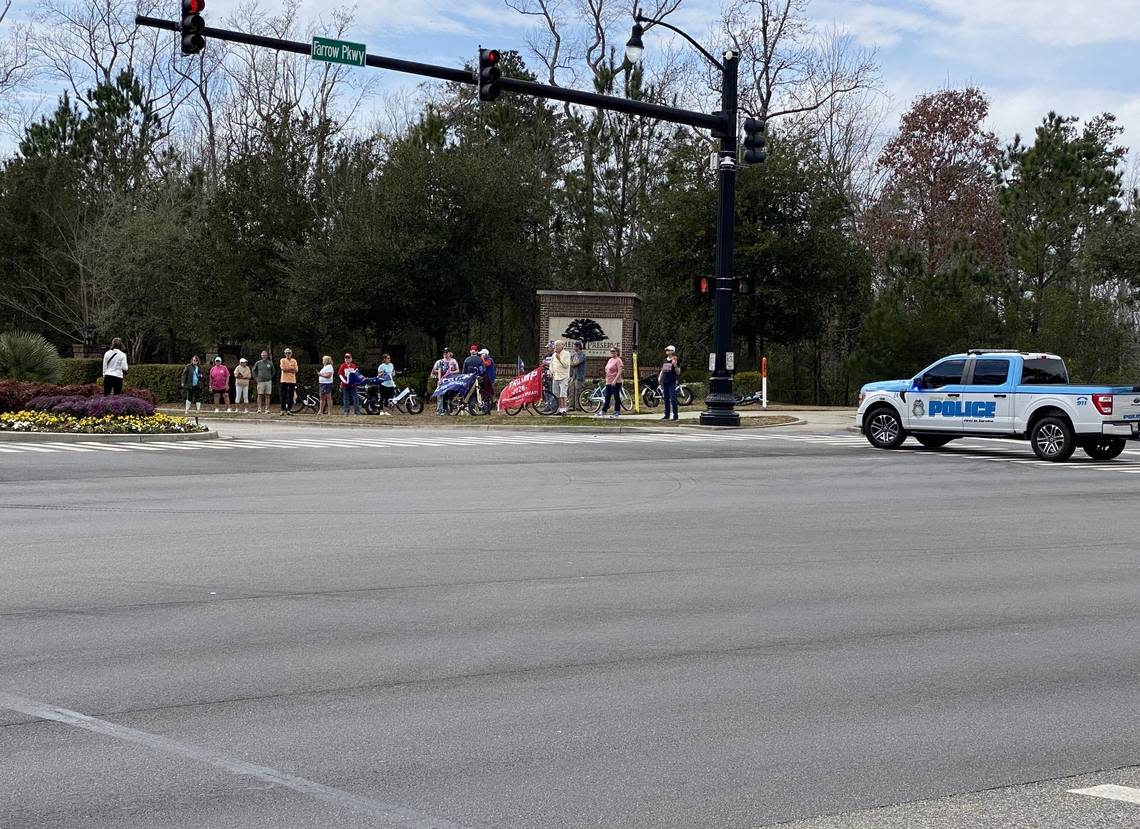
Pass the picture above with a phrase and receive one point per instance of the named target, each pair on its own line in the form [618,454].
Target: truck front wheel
[1052,439]
[884,428]
[1104,449]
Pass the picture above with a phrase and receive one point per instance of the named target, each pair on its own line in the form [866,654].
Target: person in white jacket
[114,367]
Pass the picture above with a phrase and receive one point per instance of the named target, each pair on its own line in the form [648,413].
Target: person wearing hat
[288,368]
[577,376]
[350,378]
[667,380]
[444,367]
[487,378]
[263,371]
[220,384]
[242,373]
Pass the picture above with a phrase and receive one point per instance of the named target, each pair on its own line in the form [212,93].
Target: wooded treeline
[254,198]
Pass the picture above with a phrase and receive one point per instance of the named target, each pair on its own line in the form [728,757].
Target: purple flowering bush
[99,406]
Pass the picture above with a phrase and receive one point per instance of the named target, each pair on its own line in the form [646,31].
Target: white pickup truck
[1001,393]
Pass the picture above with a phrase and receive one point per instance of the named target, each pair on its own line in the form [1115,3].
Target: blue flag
[520,368]
[457,382]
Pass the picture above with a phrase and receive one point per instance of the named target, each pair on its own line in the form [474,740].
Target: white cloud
[1047,22]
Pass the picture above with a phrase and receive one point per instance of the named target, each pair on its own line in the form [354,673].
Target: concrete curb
[75,437]
[588,430]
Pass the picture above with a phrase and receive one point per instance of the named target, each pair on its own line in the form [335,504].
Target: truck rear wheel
[1104,449]
[1052,439]
[933,441]
[884,428]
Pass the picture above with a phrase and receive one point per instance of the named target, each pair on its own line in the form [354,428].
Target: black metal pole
[676,115]
[720,403]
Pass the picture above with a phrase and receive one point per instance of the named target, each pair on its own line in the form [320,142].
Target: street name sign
[339,51]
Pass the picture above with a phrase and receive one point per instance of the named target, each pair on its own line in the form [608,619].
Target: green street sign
[338,51]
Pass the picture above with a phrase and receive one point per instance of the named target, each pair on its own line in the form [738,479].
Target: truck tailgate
[1125,407]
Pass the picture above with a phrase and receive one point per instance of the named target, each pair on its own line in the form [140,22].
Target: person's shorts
[194,394]
[326,388]
[558,388]
[265,388]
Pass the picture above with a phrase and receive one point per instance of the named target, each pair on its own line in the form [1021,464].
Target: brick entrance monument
[597,318]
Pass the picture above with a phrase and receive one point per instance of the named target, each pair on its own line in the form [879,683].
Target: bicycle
[305,398]
[546,407]
[651,394]
[749,399]
[471,402]
[592,400]
[406,401]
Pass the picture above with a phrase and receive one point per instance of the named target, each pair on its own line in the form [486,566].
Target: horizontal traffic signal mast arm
[675,115]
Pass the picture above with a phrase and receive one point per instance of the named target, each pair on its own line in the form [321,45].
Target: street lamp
[720,403]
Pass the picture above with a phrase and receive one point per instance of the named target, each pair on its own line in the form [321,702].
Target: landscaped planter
[52,423]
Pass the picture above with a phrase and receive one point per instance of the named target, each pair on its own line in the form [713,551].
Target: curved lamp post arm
[640,18]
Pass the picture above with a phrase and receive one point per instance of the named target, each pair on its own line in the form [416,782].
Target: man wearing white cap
[667,379]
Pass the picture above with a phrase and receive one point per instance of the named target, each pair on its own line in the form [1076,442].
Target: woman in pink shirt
[220,384]
[614,368]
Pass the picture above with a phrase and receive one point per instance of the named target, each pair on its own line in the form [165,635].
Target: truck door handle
[1001,395]
[953,395]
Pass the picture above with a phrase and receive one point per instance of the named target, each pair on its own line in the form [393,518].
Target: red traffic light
[704,285]
[193,6]
[492,56]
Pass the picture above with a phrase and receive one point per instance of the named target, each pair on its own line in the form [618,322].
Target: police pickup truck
[1001,393]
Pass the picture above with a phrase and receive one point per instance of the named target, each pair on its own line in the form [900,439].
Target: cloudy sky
[1078,57]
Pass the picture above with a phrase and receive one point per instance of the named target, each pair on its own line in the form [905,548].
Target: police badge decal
[918,409]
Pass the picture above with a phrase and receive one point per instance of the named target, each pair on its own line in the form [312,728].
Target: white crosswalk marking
[966,449]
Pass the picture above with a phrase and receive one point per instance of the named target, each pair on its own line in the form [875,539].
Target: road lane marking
[1111,792]
[393,816]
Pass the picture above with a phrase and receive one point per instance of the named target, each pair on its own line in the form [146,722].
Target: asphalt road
[722,630]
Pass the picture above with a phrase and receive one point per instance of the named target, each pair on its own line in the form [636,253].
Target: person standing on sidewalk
[349,379]
[220,383]
[560,374]
[263,376]
[114,367]
[288,368]
[386,373]
[488,380]
[325,379]
[667,380]
[444,367]
[577,376]
[193,380]
[614,367]
[242,374]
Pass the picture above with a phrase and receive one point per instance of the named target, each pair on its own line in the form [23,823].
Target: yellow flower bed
[106,424]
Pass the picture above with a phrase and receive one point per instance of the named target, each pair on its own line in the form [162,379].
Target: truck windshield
[1044,371]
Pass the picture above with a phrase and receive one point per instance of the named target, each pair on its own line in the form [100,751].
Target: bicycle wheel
[650,397]
[684,396]
[626,400]
[586,399]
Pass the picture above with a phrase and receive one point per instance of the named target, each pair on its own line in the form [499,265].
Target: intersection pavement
[526,628]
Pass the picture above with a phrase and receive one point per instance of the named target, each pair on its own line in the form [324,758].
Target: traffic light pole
[720,401]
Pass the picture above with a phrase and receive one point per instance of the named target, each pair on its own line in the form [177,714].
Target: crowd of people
[197,383]
[565,371]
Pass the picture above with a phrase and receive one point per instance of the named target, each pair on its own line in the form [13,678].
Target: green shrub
[80,371]
[28,356]
[163,380]
[746,382]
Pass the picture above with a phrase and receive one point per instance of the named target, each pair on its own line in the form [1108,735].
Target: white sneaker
[614,416]
[215,410]
[386,414]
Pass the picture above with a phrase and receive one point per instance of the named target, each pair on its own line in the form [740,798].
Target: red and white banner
[522,390]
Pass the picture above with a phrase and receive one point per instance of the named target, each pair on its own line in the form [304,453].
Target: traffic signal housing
[193,41]
[755,137]
[703,286]
[489,74]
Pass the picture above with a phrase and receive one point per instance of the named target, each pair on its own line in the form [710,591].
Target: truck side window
[1044,371]
[990,372]
[946,373]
